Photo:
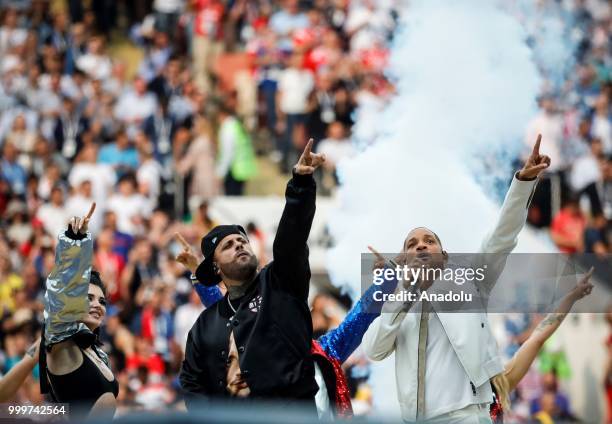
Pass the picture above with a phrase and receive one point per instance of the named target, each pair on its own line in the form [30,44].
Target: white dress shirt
[447,387]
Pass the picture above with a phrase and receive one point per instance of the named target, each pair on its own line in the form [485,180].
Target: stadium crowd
[210,92]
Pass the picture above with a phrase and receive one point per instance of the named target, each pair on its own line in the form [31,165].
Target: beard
[241,271]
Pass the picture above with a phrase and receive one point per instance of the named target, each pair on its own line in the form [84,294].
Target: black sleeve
[192,374]
[74,236]
[290,269]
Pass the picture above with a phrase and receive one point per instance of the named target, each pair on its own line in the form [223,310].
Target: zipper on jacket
[458,356]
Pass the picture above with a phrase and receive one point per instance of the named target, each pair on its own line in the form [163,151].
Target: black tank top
[82,387]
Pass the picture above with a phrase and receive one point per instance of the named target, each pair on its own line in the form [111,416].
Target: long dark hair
[97,281]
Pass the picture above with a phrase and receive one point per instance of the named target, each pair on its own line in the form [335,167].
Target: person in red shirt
[109,264]
[146,356]
[567,228]
[207,39]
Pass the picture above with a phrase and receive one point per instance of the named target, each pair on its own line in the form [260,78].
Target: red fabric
[154,363]
[496,411]
[147,330]
[343,407]
[208,18]
[110,265]
[260,23]
[319,57]
[567,224]
[25,249]
[304,37]
[375,59]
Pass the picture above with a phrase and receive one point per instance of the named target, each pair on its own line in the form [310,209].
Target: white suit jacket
[469,333]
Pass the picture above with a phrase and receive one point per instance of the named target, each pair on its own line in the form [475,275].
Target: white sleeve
[512,217]
[145,207]
[503,238]
[309,82]
[379,340]
[226,152]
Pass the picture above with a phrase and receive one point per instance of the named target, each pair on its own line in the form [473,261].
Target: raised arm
[208,295]
[502,239]
[518,366]
[513,214]
[290,268]
[67,285]
[379,339]
[10,383]
[342,341]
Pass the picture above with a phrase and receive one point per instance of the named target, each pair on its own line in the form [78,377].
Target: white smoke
[466,88]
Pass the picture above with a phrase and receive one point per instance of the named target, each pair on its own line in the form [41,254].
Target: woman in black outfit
[73,368]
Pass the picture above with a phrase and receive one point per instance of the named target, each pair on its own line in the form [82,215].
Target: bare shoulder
[64,358]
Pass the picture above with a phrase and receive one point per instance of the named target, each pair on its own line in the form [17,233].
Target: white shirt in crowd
[585,171]
[295,86]
[551,128]
[127,208]
[227,141]
[169,6]
[11,37]
[96,66]
[149,174]
[336,150]
[67,85]
[54,218]
[131,106]
[78,205]
[186,315]
[102,177]
[370,26]
[602,129]
[47,102]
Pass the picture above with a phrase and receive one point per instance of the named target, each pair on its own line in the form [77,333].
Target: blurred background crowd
[154,108]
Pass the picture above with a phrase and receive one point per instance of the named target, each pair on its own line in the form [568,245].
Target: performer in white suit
[444,360]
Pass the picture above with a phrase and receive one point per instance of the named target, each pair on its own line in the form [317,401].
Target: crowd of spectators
[209,89]
[212,91]
[573,202]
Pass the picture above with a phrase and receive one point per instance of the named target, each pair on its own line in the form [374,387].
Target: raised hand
[187,257]
[309,161]
[535,164]
[584,286]
[33,350]
[380,259]
[79,225]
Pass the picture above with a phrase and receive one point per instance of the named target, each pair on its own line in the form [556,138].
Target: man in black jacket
[255,343]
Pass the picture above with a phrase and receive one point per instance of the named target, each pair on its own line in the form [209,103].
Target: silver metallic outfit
[66,298]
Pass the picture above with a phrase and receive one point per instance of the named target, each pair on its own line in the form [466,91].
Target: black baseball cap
[205,272]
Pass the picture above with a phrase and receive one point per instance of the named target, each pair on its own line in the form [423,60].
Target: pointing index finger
[308,148]
[536,147]
[91,211]
[182,240]
[375,252]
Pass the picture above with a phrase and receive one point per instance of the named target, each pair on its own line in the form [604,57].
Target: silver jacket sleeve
[66,300]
